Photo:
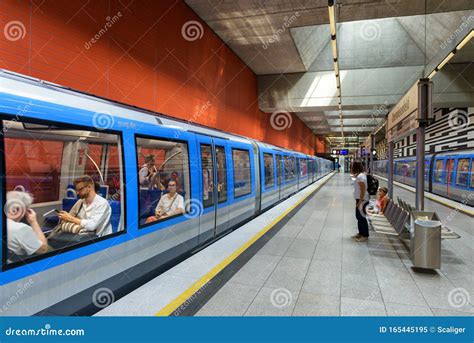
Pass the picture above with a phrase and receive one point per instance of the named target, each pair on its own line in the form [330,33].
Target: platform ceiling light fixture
[332,27]
[452,53]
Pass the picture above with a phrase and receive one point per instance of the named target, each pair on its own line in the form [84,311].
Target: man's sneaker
[362,239]
[356,236]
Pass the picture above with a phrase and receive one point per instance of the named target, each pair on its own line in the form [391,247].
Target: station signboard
[402,119]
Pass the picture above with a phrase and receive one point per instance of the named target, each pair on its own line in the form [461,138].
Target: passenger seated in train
[23,238]
[381,202]
[90,214]
[148,175]
[170,204]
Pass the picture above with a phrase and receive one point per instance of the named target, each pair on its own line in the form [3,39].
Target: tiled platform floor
[312,267]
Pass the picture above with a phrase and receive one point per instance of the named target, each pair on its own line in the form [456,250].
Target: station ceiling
[383,46]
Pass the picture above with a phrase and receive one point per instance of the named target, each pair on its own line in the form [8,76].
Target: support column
[424,115]
[391,146]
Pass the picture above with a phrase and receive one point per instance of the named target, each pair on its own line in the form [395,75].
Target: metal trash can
[425,240]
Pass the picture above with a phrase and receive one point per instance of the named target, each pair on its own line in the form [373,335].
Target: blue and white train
[51,135]
[449,174]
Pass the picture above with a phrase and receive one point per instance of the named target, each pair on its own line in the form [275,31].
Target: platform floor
[313,267]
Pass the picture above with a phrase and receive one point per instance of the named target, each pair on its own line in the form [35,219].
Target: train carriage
[448,174]
[53,135]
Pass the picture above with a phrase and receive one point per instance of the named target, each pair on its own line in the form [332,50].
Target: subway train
[449,174]
[52,135]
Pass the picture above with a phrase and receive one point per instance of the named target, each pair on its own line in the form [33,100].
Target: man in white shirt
[92,212]
[23,239]
[170,204]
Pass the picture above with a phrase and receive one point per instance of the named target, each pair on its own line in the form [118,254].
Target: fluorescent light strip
[451,54]
[446,60]
[465,40]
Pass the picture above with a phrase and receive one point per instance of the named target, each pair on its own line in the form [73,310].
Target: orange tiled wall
[140,57]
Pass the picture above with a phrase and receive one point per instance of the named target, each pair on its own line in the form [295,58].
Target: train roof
[26,86]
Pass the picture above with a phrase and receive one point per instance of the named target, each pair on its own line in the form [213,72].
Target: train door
[221,185]
[449,175]
[213,161]
[279,171]
[207,199]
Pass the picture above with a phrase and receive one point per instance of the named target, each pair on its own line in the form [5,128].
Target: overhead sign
[340,152]
[403,117]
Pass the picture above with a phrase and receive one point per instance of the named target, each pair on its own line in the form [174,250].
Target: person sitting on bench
[381,201]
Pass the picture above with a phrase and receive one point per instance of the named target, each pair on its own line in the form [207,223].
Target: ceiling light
[332,18]
[446,60]
[432,73]
[334,48]
[465,40]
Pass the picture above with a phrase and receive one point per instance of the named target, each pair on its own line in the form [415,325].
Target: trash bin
[425,240]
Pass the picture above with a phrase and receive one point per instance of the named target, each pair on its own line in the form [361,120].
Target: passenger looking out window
[90,214]
[23,238]
[149,177]
[170,204]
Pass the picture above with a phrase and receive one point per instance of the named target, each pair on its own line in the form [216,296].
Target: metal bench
[394,221]
[446,232]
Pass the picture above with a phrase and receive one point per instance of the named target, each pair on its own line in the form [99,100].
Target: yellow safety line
[180,299]
[431,197]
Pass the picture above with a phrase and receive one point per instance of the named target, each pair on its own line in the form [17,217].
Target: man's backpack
[372,185]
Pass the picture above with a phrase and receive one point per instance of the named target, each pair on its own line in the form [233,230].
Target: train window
[303,167]
[268,170]
[242,182]
[279,168]
[58,192]
[438,172]
[207,175]
[290,170]
[462,175]
[449,171]
[163,178]
[221,174]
